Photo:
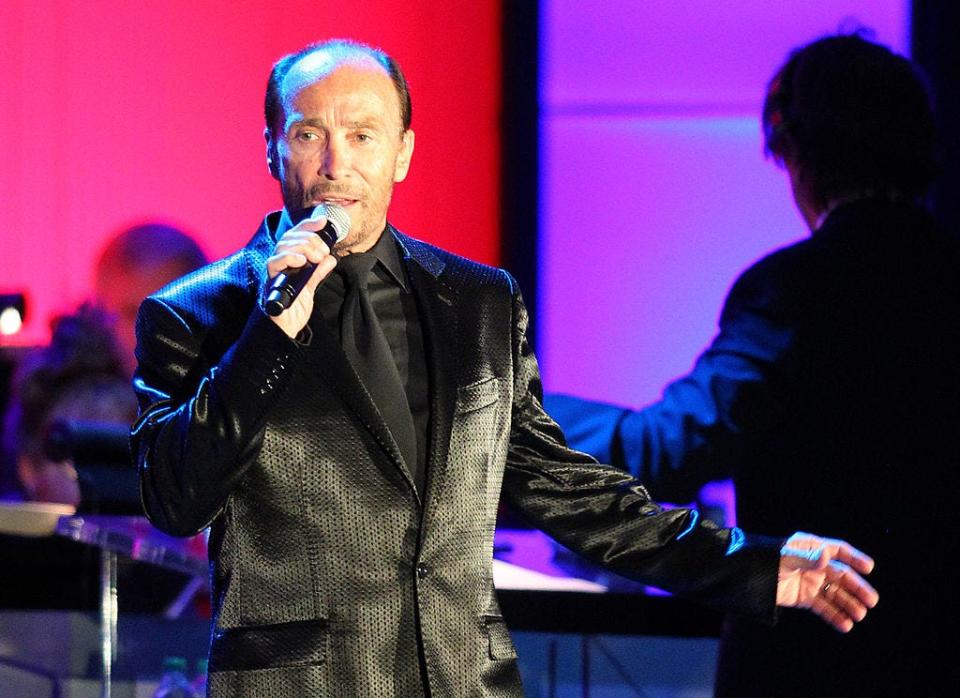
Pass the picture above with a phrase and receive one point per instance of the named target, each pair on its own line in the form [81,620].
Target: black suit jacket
[832,396]
[330,576]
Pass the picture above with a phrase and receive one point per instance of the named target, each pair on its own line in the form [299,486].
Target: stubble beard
[364,232]
[360,225]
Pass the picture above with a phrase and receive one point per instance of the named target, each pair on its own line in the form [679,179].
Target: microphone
[286,285]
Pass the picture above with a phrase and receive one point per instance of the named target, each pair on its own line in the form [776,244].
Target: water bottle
[174,682]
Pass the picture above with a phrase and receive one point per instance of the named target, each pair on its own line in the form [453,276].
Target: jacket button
[422,571]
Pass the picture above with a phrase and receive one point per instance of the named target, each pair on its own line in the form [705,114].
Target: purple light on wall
[651,150]
[620,53]
[670,215]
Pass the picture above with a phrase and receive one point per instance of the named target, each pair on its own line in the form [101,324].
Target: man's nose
[336,160]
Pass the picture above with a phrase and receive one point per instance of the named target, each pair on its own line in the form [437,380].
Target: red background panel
[114,112]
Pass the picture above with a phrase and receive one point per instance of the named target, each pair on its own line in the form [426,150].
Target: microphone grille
[339,219]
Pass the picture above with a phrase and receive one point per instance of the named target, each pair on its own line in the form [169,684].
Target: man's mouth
[339,201]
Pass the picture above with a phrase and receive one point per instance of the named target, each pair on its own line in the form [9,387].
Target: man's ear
[403,159]
[272,155]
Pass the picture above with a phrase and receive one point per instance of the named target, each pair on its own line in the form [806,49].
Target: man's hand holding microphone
[300,262]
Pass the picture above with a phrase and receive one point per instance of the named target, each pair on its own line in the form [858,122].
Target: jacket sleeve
[608,517]
[706,420]
[201,417]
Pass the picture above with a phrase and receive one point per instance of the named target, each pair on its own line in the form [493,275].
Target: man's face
[341,141]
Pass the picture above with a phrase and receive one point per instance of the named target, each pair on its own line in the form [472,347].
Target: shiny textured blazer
[330,575]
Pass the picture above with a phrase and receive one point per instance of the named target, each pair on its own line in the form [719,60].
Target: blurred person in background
[831,394]
[136,262]
[78,376]
[83,375]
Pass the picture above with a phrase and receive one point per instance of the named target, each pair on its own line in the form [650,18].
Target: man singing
[350,453]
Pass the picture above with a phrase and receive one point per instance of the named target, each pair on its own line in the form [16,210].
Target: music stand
[136,538]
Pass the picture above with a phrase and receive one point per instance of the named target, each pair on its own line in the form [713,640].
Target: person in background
[78,375]
[84,373]
[349,452]
[136,262]
[831,394]
[83,376]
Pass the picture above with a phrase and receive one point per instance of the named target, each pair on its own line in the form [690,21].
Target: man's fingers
[308,243]
[294,251]
[831,614]
[849,604]
[844,601]
[279,262]
[812,551]
[857,559]
[313,225]
[324,267]
[844,598]
[855,586]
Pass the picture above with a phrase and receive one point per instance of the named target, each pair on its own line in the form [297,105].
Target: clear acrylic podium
[136,538]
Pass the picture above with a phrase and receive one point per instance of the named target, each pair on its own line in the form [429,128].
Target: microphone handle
[286,286]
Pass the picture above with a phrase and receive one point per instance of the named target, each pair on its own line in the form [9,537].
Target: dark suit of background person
[332,572]
[831,393]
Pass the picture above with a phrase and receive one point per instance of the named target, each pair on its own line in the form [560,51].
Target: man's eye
[362,137]
[307,136]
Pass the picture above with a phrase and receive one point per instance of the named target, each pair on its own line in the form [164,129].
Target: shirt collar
[388,255]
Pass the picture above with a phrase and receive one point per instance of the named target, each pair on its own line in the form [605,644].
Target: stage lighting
[13,311]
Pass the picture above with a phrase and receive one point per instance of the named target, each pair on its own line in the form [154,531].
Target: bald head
[314,62]
[134,264]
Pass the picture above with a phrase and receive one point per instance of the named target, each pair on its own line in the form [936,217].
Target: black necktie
[366,346]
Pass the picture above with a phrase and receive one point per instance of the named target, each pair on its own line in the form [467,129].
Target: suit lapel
[327,358]
[436,301]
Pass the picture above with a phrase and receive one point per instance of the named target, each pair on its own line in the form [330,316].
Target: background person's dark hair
[272,101]
[853,117]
